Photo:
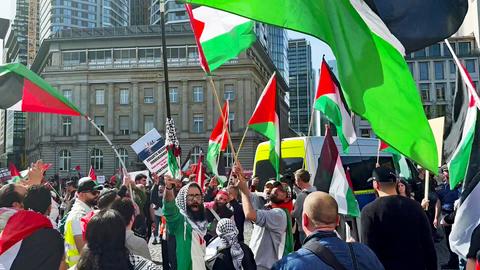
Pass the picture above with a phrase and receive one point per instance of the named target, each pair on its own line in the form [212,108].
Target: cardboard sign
[151,149]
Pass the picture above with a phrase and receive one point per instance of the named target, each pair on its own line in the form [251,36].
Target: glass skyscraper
[174,12]
[64,14]
[301,84]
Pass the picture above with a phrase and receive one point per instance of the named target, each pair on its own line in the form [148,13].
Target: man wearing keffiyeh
[186,220]
[272,231]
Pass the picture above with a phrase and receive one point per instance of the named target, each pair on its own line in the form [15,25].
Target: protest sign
[151,149]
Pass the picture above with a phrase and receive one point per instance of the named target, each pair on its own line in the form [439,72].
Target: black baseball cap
[383,174]
[86,184]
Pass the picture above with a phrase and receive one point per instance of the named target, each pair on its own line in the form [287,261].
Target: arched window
[65,159]
[196,153]
[96,159]
[124,156]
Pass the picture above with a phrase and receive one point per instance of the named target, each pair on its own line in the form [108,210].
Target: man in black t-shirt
[396,228]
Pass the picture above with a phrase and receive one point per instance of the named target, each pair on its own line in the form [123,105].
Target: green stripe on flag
[352,204]
[212,157]
[224,47]
[459,163]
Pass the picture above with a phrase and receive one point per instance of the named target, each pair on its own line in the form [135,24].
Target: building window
[229,92]
[100,97]
[464,48]
[365,132]
[148,123]
[231,120]
[100,121]
[427,111]
[435,50]
[425,91]
[123,153]
[197,94]
[67,126]
[453,67]
[441,110]
[198,123]
[227,155]
[124,96]
[410,67]
[440,89]
[420,53]
[96,159]
[173,95]
[439,70]
[124,125]
[196,152]
[148,95]
[446,51]
[470,65]
[424,73]
[65,159]
[67,93]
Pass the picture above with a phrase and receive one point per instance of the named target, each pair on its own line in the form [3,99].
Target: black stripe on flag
[11,90]
[326,163]
[420,23]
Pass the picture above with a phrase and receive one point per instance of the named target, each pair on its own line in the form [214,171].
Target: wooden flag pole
[221,114]
[378,153]
[241,143]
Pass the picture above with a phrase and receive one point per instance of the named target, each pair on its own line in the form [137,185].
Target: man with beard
[217,210]
[186,220]
[87,195]
[272,231]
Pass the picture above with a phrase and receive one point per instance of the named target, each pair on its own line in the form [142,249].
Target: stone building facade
[115,76]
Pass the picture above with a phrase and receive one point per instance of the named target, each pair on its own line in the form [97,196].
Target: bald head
[320,210]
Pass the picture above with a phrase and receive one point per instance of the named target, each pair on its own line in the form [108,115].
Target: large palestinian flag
[329,100]
[23,90]
[217,143]
[220,36]
[369,40]
[265,121]
[458,142]
[330,177]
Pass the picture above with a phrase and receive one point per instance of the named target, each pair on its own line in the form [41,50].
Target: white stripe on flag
[7,258]
[347,125]
[339,187]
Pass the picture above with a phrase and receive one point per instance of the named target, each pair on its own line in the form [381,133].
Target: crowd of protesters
[109,226]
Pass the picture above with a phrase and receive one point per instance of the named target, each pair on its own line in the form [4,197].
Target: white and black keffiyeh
[181,202]
[227,232]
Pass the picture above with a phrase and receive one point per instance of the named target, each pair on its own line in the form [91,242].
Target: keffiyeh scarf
[227,232]
[181,202]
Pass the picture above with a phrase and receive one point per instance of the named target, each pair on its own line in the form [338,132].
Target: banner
[151,149]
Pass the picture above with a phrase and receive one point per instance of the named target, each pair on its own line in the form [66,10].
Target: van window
[361,168]
[264,169]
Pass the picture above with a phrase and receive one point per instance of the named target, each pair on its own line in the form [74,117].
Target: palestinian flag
[173,148]
[458,142]
[468,213]
[23,90]
[91,174]
[331,177]
[398,159]
[220,36]
[265,121]
[369,40]
[329,100]
[218,143]
[19,227]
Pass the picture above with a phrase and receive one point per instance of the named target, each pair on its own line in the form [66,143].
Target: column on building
[135,108]
[185,101]
[212,110]
[160,106]
[84,106]
[110,109]
[241,105]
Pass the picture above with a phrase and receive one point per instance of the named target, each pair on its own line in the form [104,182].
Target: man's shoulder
[300,259]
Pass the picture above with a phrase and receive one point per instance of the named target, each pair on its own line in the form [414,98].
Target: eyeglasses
[197,197]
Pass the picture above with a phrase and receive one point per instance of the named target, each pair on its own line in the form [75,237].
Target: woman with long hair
[403,189]
[105,237]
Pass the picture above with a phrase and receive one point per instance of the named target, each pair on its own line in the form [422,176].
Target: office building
[301,85]
[139,12]
[174,12]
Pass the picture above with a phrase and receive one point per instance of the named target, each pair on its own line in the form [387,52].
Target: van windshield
[264,169]
[361,168]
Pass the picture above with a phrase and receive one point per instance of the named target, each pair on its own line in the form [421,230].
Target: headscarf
[181,202]
[227,232]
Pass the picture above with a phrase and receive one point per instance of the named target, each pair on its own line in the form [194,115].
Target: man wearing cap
[396,228]
[272,236]
[215,211]
[260,199]
[87,195]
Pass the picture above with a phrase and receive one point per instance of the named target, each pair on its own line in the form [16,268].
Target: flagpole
[164,54]
[215,93]
[378,153]
[241,143]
